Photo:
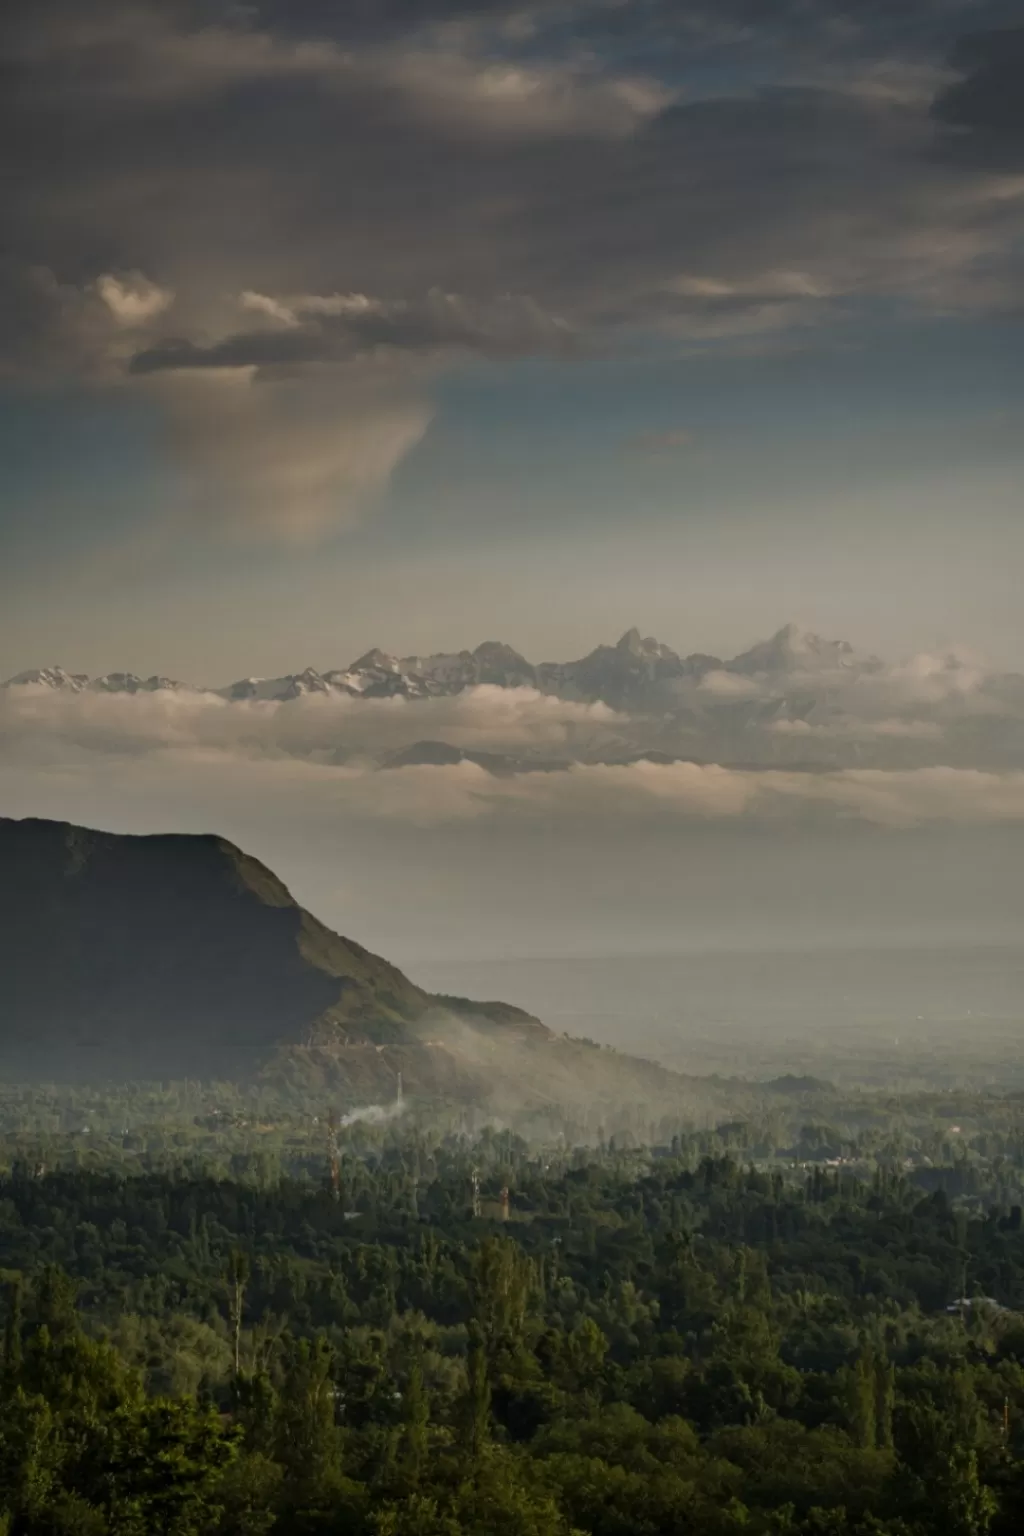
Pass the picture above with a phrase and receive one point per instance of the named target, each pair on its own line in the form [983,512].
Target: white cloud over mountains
[931,741]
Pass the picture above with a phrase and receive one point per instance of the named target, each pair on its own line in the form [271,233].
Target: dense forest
[215,1326]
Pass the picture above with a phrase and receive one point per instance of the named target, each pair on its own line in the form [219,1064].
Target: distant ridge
[632,672]
[796,702]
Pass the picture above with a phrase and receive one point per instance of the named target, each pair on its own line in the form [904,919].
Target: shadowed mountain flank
[178,956]
[171,956]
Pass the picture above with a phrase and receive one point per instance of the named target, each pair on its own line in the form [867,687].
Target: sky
[399,323]
[418,323]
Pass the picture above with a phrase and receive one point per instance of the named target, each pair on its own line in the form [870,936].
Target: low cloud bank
[198,787]
[485,718]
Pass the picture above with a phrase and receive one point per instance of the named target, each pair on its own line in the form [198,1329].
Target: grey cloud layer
[987,105]
[601,794]
[494,180]
[324,329]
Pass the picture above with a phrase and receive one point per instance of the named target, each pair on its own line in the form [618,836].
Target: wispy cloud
[289,458]
[132,298]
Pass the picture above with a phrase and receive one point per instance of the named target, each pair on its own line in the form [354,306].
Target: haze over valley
[799,857]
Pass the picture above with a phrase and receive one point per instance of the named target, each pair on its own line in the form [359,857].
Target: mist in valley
[747,946]
[875,959]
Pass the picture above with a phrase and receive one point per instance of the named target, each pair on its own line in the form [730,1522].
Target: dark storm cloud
[382,18]
[679,170]
[623,19]
[231,158]
[987,105]
[253,349]
[440,323]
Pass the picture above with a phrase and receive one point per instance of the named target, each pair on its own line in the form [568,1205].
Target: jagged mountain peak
[636,671]
[633,643]
[793,649]
[60,680]
[498,651]
[130,682]
[49,677]
[375,660]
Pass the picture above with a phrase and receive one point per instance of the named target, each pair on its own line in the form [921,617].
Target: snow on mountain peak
[375,660]
[633,643]
[793,649]
[636,673]
[49,677]
[129,682]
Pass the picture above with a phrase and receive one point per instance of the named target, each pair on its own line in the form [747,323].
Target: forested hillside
[477,1336]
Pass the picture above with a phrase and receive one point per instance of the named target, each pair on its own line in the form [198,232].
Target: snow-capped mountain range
[634,673]
[794,700]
